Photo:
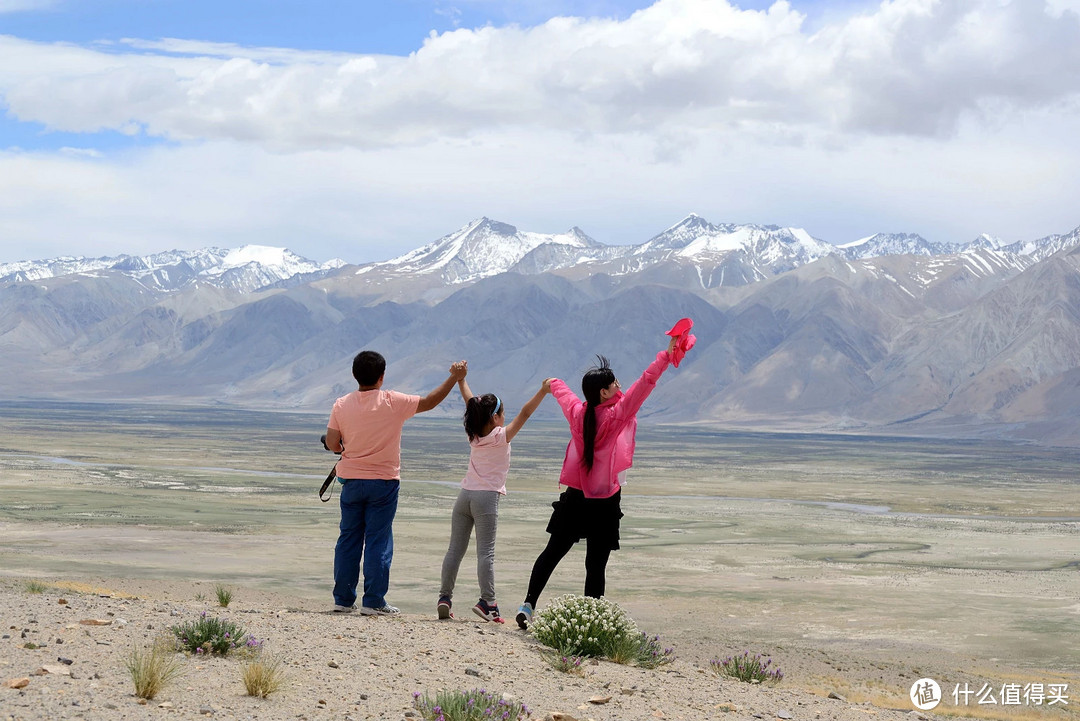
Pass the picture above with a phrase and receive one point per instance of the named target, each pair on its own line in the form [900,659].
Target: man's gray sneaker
[344,609]
[386,610]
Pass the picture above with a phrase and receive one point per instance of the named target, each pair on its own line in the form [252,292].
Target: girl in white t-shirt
[478,501]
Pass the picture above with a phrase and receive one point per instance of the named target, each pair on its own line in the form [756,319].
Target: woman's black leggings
[596,559]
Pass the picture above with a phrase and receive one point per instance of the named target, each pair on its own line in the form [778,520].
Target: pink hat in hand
[684,340]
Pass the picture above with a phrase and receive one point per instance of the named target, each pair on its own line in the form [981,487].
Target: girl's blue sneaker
[524,615]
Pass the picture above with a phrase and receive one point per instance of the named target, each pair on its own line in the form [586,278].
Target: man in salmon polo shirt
[365,428]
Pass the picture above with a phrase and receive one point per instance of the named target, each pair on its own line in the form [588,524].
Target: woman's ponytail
[478,413]
[595,380]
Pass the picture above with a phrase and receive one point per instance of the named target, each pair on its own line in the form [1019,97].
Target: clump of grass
[640,650]
[152,669]
[561,662]
[224,596]
[35,587]
[200,597]
[475,705]
[212,635]
[751,669]
[263,675]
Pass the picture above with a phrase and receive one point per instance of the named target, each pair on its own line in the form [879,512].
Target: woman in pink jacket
[601,448]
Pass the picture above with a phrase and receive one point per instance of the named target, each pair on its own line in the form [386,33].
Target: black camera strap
[327,483]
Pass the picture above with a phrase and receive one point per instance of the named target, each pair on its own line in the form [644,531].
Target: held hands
[546,385]
[459,369]
[671,343]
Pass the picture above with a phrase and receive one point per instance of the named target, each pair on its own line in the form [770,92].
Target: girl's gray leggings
[479,509]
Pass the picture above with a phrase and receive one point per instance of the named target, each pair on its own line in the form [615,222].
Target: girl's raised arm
[466,392]
[527,410]
[635,396]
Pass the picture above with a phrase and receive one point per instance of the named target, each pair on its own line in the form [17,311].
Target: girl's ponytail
[478,413]
[594,381]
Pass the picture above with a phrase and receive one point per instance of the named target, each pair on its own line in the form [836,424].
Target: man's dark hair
[368,367]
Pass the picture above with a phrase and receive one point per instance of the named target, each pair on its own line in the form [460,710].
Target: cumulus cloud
[908,68]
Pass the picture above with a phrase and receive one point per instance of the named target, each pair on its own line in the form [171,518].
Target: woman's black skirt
[596,519]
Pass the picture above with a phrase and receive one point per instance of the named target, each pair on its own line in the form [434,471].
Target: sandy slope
[339,667]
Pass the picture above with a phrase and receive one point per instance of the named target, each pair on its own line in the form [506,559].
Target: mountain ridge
[981,340]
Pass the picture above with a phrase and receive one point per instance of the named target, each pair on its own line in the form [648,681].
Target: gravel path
[339,666]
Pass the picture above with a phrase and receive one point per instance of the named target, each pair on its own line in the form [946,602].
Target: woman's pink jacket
[616,424]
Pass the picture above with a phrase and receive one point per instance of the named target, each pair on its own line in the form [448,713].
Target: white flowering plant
[583,626]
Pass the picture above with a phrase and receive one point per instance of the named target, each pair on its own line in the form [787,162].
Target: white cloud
[371,205]
[911,67]
[943,117]
[11,6]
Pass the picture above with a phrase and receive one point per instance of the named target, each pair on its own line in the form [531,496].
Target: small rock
[121,622]
[594,662]
[836,696]
[784,713]
[363,697]
[333,664]
[470,671]
[53,669]
[410,714]
[111,706]
[322,702]
[207,710]
[559,716]
[18,682]
[96,622]
[140,701]
[61,601]
[165,704]
[599,700]
[63,660]
[509,698]
[627,691]
[58,640]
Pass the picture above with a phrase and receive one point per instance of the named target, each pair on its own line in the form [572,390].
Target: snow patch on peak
[261,254]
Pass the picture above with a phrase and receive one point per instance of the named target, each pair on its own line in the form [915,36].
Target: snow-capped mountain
[1036,249]
[244,269]
[894,244]
[694,236]
[711,255]
[488,247]
[982,336]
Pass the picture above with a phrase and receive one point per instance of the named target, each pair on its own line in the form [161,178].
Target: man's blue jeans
[367,516]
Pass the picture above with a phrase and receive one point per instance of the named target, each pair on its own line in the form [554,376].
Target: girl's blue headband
[498,406]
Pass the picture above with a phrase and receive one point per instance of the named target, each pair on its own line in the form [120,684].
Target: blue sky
[362,130]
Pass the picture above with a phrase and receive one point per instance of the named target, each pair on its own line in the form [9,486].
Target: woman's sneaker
[524,615]
[444,608]
[486,611]
[384,610]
